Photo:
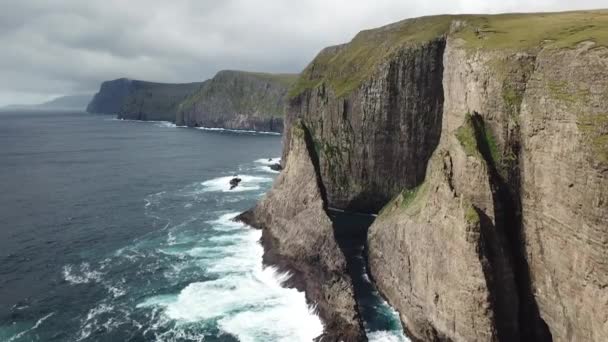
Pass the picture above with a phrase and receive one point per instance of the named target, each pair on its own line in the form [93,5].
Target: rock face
[232,99]
[238,100]
[111,97]
[298,236]
[140,100]
[491,139]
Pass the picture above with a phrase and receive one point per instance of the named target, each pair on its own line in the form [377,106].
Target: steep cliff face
[298,236]
[140,100]
[491,138]
[238,100]
[564,189]
[149,101]
[375,139]
[111,97]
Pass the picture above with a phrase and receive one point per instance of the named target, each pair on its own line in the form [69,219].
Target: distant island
[231,99]
[69,102]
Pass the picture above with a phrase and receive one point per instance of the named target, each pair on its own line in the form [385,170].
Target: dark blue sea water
[120,231]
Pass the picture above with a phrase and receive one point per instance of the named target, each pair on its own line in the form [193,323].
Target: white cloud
[69,46]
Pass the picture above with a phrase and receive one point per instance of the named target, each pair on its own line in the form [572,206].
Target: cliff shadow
[508,220]
[350,232]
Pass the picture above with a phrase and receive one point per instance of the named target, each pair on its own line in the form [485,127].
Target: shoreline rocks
[487,154]
[298,236]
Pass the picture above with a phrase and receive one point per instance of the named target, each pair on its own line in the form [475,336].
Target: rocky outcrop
[238,100]
[298,236]
[140,100]
[111,97]
[374,141]
[232,100]
[491,141]
[564,189]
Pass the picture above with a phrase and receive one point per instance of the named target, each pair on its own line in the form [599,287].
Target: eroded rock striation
[238,100]
[485,144]
[140,100]
[298,236]
[232,100]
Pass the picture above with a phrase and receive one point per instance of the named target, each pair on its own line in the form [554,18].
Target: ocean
[117,230]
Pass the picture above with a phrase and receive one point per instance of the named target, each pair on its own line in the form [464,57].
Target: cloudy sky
[56,47]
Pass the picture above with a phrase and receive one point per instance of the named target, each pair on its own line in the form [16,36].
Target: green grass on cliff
[344,68]
[471,215]
[530,30]
[595,130]
[467,137]
[284,79]
[242,92]
[407,199]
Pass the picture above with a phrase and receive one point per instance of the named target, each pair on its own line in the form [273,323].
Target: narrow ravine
[381,321]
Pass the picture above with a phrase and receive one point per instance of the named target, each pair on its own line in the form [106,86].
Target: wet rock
[234,182]
[298,236]
[276,167]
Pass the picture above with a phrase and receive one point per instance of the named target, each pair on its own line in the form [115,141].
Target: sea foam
[246,299]
[386,336]
[222,184]
[215,129]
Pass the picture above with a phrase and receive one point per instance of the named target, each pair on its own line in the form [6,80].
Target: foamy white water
[38,323]
[248,183]
[214,129]
[270,161]
[386,336]
[246,299]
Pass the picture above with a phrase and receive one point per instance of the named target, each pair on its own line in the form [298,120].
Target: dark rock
[298,236]
[140,100]
[276,167]
[234,182]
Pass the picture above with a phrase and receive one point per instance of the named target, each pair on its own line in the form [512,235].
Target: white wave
[165,124]
[386,336]
[162,301]
[252,307]
[116,291]
[89,324]
[83,275]
[269,161]
[246,299]
[38,323]
[267,169]
[215,129]
[222,184]
[158,123]
[226,222]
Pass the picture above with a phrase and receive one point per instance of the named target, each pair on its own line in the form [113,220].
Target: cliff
[140,100]
[238,100]
[298,236]
[232,99]
[484,139]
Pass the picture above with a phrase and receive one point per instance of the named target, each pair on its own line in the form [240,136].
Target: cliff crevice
[483,146]
[298,236]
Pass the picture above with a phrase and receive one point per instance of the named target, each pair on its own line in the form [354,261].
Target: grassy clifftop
[233,92]
[345,67]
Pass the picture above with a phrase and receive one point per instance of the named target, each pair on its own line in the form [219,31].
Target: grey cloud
[56,47]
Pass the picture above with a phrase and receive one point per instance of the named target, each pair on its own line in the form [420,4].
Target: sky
[58,47]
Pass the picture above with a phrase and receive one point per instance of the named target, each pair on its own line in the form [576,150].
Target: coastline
[307,278]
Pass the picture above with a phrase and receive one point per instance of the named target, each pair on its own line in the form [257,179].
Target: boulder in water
[234,182]
[276,167]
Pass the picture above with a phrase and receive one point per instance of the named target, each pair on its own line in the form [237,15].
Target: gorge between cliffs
[481,146]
